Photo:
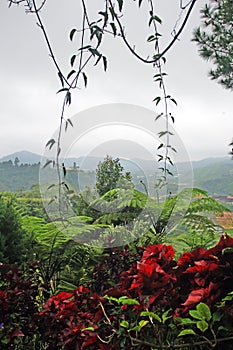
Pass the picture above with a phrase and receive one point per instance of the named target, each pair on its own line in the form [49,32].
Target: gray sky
[30,108]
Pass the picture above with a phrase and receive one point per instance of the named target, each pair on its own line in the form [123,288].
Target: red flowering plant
[156,275]
[142,303]
[76,320]
[20,300]
[205,275]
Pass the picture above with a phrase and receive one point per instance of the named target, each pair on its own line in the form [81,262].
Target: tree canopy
[215,40]
[110,175]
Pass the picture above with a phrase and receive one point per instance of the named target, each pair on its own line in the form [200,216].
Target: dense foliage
[110,175]
[13,243]
[63,294]
[157,301]
[215,40]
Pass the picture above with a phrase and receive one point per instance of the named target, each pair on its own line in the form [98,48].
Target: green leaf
[124,324]
[204,310]
[155,18]
[72,33]
[112,299]
[202,325]
[151,38]
[185,320]
[186,332]
[196,314]
[88,329]
[143,323]
[165,316]
[151,314]
[217,316]
[128,301]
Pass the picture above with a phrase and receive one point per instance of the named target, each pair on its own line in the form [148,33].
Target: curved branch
[168,46]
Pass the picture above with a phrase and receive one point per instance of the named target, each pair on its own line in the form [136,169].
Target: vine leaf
[61,78]
[47,163]
[105,15]
[65,185]
[151,38]
[139,3]
[50,143]
[68,98]
[160,146]
[64,169]
[120,3]
[173,100]
[113,28]
[71,73]
[63,89]
[72,32]
[94,51]
[70,122]
[186,332]
[157,100]
[84,78]
[72,60]
[50,186]
[105,63]
[155,18]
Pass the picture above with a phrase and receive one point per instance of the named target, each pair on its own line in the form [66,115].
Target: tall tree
[110,175]
[215,40]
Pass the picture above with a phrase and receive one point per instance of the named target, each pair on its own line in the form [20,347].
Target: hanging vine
[91,34]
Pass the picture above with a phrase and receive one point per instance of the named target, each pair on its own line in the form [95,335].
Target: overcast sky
[30,107]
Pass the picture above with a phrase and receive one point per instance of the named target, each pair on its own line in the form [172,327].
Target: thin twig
[40,24]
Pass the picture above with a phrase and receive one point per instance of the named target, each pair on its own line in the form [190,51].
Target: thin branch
[168,46]
[40,24]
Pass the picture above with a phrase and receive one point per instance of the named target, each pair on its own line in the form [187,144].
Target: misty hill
[213,174]
[25,157]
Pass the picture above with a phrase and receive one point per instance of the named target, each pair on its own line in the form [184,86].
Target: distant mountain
[25,157]
[212,174]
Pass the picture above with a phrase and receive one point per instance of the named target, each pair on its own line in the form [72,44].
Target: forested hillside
[214,175]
